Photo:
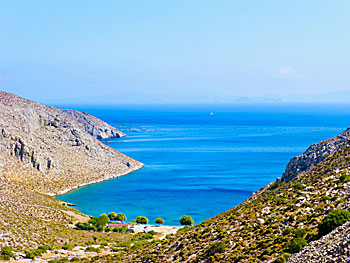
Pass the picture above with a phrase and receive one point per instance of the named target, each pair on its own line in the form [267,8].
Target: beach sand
[161,230]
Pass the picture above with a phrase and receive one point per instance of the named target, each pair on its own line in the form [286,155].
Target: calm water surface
[200,164]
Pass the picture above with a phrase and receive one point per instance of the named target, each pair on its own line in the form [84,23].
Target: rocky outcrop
[334,247]
[315,154]
[92,125]
[61,144]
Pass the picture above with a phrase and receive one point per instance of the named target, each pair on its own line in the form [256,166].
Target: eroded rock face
[62,144]
[92,125]
[334,247]
[315,154]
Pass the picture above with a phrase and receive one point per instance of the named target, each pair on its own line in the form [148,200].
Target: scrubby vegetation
[333,220]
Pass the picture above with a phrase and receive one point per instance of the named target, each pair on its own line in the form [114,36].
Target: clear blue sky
[174,51]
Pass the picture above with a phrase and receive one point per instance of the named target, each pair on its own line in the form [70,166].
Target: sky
[183,51]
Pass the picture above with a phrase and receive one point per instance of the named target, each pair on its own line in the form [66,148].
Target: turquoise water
[200,164]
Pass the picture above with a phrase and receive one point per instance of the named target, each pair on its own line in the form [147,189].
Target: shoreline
[71,189]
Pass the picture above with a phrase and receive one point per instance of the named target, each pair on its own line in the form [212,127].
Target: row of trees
[184,220]
[99,223]
[116,217]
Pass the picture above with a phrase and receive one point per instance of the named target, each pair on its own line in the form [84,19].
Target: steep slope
[265,226]
[46,151]
[61,144]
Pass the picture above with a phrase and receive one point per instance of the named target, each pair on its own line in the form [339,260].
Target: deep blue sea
[201,164]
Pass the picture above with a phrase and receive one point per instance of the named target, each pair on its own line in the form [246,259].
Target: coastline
[106,178]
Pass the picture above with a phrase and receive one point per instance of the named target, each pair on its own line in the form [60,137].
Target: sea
[201,160]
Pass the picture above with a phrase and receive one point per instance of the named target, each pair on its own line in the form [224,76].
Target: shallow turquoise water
[200,164]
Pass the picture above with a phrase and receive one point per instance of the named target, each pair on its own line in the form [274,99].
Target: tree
[121,217]
[113,216]
[186,221]
[104,219]
[142,220]
[333,220]
[99,222]
[159,221]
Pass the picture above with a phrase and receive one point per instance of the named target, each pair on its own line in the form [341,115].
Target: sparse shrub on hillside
[122,229]
[286,231]
[216,247]
[67,247]
[29,254]
[298,186]
[93,249]
[296,244]
[6,253]
[282,259]
[85,226]
[299,233]
[344,178]
[281,201]
[333,220]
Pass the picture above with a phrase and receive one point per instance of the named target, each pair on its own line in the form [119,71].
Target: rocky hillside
[315,154]
[47,151]
[61,144]
[275,222]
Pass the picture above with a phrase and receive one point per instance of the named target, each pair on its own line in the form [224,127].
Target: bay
[201,160]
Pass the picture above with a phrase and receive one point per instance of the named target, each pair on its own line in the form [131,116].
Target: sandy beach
[161,230]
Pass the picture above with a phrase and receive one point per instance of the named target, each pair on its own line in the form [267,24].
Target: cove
[197,163]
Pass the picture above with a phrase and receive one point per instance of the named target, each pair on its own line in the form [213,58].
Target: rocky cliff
[315,154]
[61,144]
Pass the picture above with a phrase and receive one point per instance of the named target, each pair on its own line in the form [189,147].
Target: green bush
[30,255]
[344,178]
[146,236]
[332,221]
[6,253]
[299,232]
[85,226]
[67,247]
[296,244]
[216,247]
[152,232]
[298,186]
[282,259]
[93,249]
[287,230]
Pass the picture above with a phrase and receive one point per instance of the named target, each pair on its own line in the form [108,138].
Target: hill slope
[46,151]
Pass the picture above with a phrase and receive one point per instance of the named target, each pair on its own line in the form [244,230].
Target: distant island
[45,151]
